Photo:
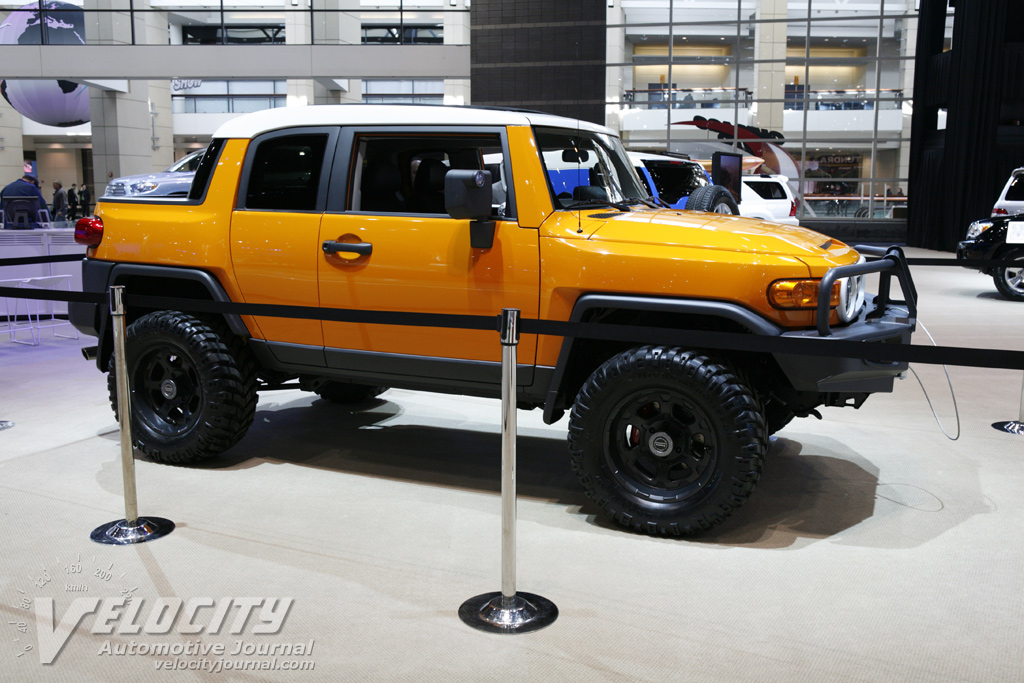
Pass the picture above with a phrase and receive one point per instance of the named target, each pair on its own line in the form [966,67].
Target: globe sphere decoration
[53,103]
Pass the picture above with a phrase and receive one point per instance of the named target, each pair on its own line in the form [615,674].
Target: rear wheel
[666,441]
[1010,280]
[193,387]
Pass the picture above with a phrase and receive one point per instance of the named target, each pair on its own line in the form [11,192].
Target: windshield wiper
[653,202]
[582,204]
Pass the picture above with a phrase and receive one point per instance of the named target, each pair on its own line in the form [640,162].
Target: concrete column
[131,131]
[456,32]
[122,127]
[298,31]
[770,78]
[342,27]
[162,143]
[618,79]
[12,151]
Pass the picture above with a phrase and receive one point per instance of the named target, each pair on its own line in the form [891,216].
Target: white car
[769,198]
[1011,201]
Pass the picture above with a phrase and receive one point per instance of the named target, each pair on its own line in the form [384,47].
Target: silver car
[174,181]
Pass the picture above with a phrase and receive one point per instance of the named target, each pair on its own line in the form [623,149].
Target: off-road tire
[343,392]
[712,198]
[1010,281]
[210,400]
[655,397]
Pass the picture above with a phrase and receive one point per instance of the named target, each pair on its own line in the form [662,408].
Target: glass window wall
[817,90]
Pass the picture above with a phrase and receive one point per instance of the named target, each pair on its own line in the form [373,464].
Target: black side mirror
[467,194]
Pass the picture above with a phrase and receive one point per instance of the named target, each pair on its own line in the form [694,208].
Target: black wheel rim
[166,390]
[661,445]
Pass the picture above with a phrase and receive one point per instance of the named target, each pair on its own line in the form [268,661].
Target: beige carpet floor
[874,549]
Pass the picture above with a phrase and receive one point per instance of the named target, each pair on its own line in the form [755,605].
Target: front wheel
[666,441]
[193,388]
[1010,280]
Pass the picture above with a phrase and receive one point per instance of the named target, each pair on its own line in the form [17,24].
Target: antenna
[579,113]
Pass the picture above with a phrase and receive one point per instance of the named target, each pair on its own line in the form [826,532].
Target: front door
[403,252]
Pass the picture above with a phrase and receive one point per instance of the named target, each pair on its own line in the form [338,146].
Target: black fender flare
[717,309]
[123,272]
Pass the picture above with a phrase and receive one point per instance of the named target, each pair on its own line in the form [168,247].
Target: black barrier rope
[53,295]
[732,341]
[32,260]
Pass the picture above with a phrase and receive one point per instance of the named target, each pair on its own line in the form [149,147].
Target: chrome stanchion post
[1014,426]
[508,611]
[131,529]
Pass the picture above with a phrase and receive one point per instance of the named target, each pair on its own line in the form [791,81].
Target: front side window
[285,173]
[583,166]
[405,173]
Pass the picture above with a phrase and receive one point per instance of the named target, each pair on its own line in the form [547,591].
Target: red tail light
[999,212]
[89,231]
[792,209]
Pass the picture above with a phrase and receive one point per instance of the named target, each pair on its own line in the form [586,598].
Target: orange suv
[461,210]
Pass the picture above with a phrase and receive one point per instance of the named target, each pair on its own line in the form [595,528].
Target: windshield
[187,164]
[583,166]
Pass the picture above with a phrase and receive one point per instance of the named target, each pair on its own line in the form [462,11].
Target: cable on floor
[956,409]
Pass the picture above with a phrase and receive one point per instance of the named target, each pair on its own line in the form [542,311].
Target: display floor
[874,549]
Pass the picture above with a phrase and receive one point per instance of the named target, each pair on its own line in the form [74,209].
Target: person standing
[83,199]
[72,202]
[59,208]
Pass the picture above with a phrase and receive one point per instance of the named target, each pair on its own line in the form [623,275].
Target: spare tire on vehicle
[712,198]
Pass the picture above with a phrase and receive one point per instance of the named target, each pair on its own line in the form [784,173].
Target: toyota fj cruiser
[461,210]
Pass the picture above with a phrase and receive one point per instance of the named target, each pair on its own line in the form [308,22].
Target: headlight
[142,187]
[851,296]
[978,227]
[799,294]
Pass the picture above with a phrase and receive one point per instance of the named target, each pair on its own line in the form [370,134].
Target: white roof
[251,125]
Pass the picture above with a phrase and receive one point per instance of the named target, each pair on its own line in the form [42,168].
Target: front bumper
[883,320]
[970,252]
[893,325]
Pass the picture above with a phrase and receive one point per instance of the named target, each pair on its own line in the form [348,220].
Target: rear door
[275,228]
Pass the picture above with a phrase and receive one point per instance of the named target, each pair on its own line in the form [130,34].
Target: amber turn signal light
[799,294]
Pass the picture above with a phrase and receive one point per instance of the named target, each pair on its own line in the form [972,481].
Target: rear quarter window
[767,189]
[285,173]
[1015,192]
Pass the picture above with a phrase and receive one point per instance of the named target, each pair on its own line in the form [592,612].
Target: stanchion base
[123,532]
[523,613]
[5,424]
[1013,427]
